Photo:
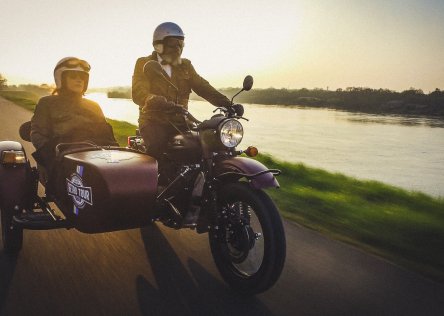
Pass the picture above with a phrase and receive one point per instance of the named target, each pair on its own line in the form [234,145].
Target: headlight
[231,133]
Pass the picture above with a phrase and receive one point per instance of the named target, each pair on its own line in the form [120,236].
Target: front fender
[234,168]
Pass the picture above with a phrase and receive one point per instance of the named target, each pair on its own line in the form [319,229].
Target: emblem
[112,156]
[80,194]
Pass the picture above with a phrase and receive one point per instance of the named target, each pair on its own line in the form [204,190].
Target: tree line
[38,90]
[356,99]
[3,82]
[359,99]
[384,101]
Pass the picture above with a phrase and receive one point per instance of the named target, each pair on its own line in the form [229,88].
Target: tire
[257,268]
[12,235]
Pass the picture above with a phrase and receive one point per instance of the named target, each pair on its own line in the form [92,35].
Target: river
[404,151]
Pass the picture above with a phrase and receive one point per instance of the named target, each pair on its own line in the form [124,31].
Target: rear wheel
[249,245]
[11,234]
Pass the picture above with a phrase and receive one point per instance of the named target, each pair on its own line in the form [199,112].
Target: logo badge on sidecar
[80,194]
[113,156]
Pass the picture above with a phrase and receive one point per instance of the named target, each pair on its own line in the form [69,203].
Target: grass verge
[405,227]
[402,226]
[25,99]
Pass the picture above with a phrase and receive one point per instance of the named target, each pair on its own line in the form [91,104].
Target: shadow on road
[182,293]
[7,267]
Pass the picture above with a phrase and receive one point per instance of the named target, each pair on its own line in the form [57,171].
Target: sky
[292,44]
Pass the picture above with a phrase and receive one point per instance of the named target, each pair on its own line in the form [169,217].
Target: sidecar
[97,189]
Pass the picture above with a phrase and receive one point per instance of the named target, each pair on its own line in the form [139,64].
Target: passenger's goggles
[174,42]
[74,63]
[74,74]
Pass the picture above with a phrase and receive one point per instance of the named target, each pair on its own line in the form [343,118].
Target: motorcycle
[202,184]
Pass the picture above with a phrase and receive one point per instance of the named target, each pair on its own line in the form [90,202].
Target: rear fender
[15,180]
[258,175]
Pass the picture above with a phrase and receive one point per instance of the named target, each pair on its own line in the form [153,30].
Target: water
[403,151]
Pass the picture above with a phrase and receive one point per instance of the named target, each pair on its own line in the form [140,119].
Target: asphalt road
[161,271]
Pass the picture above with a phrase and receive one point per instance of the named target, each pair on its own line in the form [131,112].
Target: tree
[2,82]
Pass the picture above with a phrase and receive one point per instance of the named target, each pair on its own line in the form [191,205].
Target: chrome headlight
[231,133]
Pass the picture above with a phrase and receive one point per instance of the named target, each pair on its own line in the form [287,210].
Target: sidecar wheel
[249,245]
[12,235]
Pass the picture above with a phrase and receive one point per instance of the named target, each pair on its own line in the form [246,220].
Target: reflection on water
[403,151]
[391,119]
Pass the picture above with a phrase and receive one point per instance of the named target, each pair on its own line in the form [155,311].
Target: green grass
[405,227]
[122,130]
[25,99]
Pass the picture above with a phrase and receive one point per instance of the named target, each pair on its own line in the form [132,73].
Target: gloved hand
[237,109]
[160,103]
[154,102]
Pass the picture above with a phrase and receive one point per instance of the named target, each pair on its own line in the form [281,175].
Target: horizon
[395,45]
[110,88]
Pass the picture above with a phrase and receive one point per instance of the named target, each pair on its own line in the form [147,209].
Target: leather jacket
[183,76]
[68,118]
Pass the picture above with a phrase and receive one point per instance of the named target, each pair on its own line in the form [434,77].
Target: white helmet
[72,64]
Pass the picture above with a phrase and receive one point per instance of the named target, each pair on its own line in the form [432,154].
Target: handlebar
[233,111]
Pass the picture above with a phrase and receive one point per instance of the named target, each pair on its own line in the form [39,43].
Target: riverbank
[405,227]
[364,100]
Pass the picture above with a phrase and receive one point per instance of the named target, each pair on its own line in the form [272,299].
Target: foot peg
[38,221]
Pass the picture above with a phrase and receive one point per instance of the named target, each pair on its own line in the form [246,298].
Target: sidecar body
[97,189]
[106,189]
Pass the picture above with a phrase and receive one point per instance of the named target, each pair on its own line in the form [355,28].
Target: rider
[154,92]
[66,116]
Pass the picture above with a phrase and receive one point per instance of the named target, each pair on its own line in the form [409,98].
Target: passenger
[155,92]
[66,116]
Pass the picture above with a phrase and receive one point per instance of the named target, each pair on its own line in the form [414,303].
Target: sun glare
[286,43]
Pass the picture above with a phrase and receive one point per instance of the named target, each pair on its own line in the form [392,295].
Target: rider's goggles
[174,42]
[74,63]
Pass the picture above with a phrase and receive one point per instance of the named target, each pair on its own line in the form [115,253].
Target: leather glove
[154,102]
[237,109]
[174,108]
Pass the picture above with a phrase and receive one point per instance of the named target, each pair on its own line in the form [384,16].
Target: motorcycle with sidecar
[204,185]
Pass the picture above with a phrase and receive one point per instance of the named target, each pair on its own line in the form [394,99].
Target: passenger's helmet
[72,64]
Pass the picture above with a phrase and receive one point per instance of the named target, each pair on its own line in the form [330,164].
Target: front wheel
[12,235]
[248,245]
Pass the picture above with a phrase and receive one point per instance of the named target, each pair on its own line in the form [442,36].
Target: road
[161,271]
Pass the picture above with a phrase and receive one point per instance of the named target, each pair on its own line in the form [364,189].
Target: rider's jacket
[68,118]
[183,76]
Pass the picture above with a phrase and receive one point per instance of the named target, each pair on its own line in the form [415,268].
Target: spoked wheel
[12,235]
[248,246]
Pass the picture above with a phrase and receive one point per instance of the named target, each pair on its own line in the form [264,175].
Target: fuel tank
[185,148]
[106,190]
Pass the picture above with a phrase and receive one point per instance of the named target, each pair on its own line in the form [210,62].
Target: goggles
[74,63]
[74,74]
[174,42]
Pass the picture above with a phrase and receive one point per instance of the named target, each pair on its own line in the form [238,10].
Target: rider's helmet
[164,31]
[71,64]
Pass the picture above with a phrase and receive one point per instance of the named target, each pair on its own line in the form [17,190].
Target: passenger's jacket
[183,76]
[66,119]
